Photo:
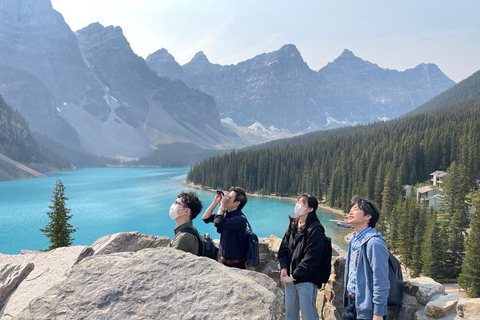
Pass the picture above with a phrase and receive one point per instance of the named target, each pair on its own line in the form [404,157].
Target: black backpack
[252,254]
[206,247]
[326,261]
[395,277]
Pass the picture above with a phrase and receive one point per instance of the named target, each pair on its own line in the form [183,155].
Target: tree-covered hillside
[36,150]
[16,139]
[367,160]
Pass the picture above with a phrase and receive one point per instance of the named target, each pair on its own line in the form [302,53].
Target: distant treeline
[176,155]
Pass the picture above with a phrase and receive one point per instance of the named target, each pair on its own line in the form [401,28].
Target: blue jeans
[301,296]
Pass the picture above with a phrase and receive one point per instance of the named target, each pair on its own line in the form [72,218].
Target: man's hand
[217,198]
[375,317]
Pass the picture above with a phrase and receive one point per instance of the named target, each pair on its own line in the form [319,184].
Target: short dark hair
[191,200]
[240,195]
[368,207]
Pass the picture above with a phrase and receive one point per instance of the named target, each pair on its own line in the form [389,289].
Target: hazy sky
[393,34]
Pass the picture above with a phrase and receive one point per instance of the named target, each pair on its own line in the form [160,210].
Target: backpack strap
[194,231]
[248,224]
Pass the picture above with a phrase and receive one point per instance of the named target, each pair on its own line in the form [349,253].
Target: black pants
[350,312]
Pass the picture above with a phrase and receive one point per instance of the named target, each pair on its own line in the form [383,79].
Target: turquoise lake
[110,200]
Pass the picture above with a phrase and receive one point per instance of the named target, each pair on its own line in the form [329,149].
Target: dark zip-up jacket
[302,257]
[231,227]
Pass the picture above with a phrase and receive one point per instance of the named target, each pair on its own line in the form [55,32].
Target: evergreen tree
[434,249]
[417,259]
[455,188]
[469,279]
[59,230]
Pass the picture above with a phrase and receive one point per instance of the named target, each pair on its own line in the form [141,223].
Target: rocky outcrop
[161,283]
[11,275]
[127,242]
[132,275]
[49,269]
[423,289]
[468,309]
[441,304]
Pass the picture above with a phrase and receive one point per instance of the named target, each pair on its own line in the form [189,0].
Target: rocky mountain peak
[348,61]
[164,64]
[97,34]
[161,55]
[199,57]
[29,12]
[346,53]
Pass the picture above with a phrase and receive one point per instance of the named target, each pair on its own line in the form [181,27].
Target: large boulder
[127,242]
[468,308]
[49,269]
[441,304]
[160,283]
[423,288]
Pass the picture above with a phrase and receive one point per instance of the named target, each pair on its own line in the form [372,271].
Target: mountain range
[89,90]
[279,90]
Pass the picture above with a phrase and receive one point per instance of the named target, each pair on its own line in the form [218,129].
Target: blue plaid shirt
[356,243]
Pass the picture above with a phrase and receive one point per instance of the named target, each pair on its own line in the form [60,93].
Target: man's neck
[360,228]
[182,220]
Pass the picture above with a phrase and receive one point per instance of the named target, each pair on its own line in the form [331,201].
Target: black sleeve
[283,250]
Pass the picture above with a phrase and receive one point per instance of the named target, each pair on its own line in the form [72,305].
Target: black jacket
[231,227]
[302,257]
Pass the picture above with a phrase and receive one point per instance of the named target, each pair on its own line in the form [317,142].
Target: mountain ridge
[278,89]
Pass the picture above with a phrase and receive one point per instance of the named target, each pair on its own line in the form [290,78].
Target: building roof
[435,196]
[438,174]
[424,189]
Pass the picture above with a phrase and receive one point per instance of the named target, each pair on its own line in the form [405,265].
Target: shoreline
[322,206]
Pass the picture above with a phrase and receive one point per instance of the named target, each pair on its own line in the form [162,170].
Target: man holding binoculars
[231,224]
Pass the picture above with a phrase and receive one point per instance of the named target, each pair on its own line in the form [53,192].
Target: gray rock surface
[421,315]
[160,283]
[11,275]
[441,304]
[423,288]
[127,241]
[409,307]
[50,269]
[468,308]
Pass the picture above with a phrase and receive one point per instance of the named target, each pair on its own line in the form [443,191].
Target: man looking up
[366,269]
[231,224]
[184,210]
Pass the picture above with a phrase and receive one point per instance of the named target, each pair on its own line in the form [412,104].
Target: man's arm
[234,224]
[211,207]
[377,255]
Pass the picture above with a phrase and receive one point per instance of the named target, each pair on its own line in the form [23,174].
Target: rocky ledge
[135,276]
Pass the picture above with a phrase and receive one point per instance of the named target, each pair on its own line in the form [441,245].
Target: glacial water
[110,200]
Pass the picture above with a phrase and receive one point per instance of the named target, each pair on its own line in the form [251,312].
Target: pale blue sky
[393,34]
